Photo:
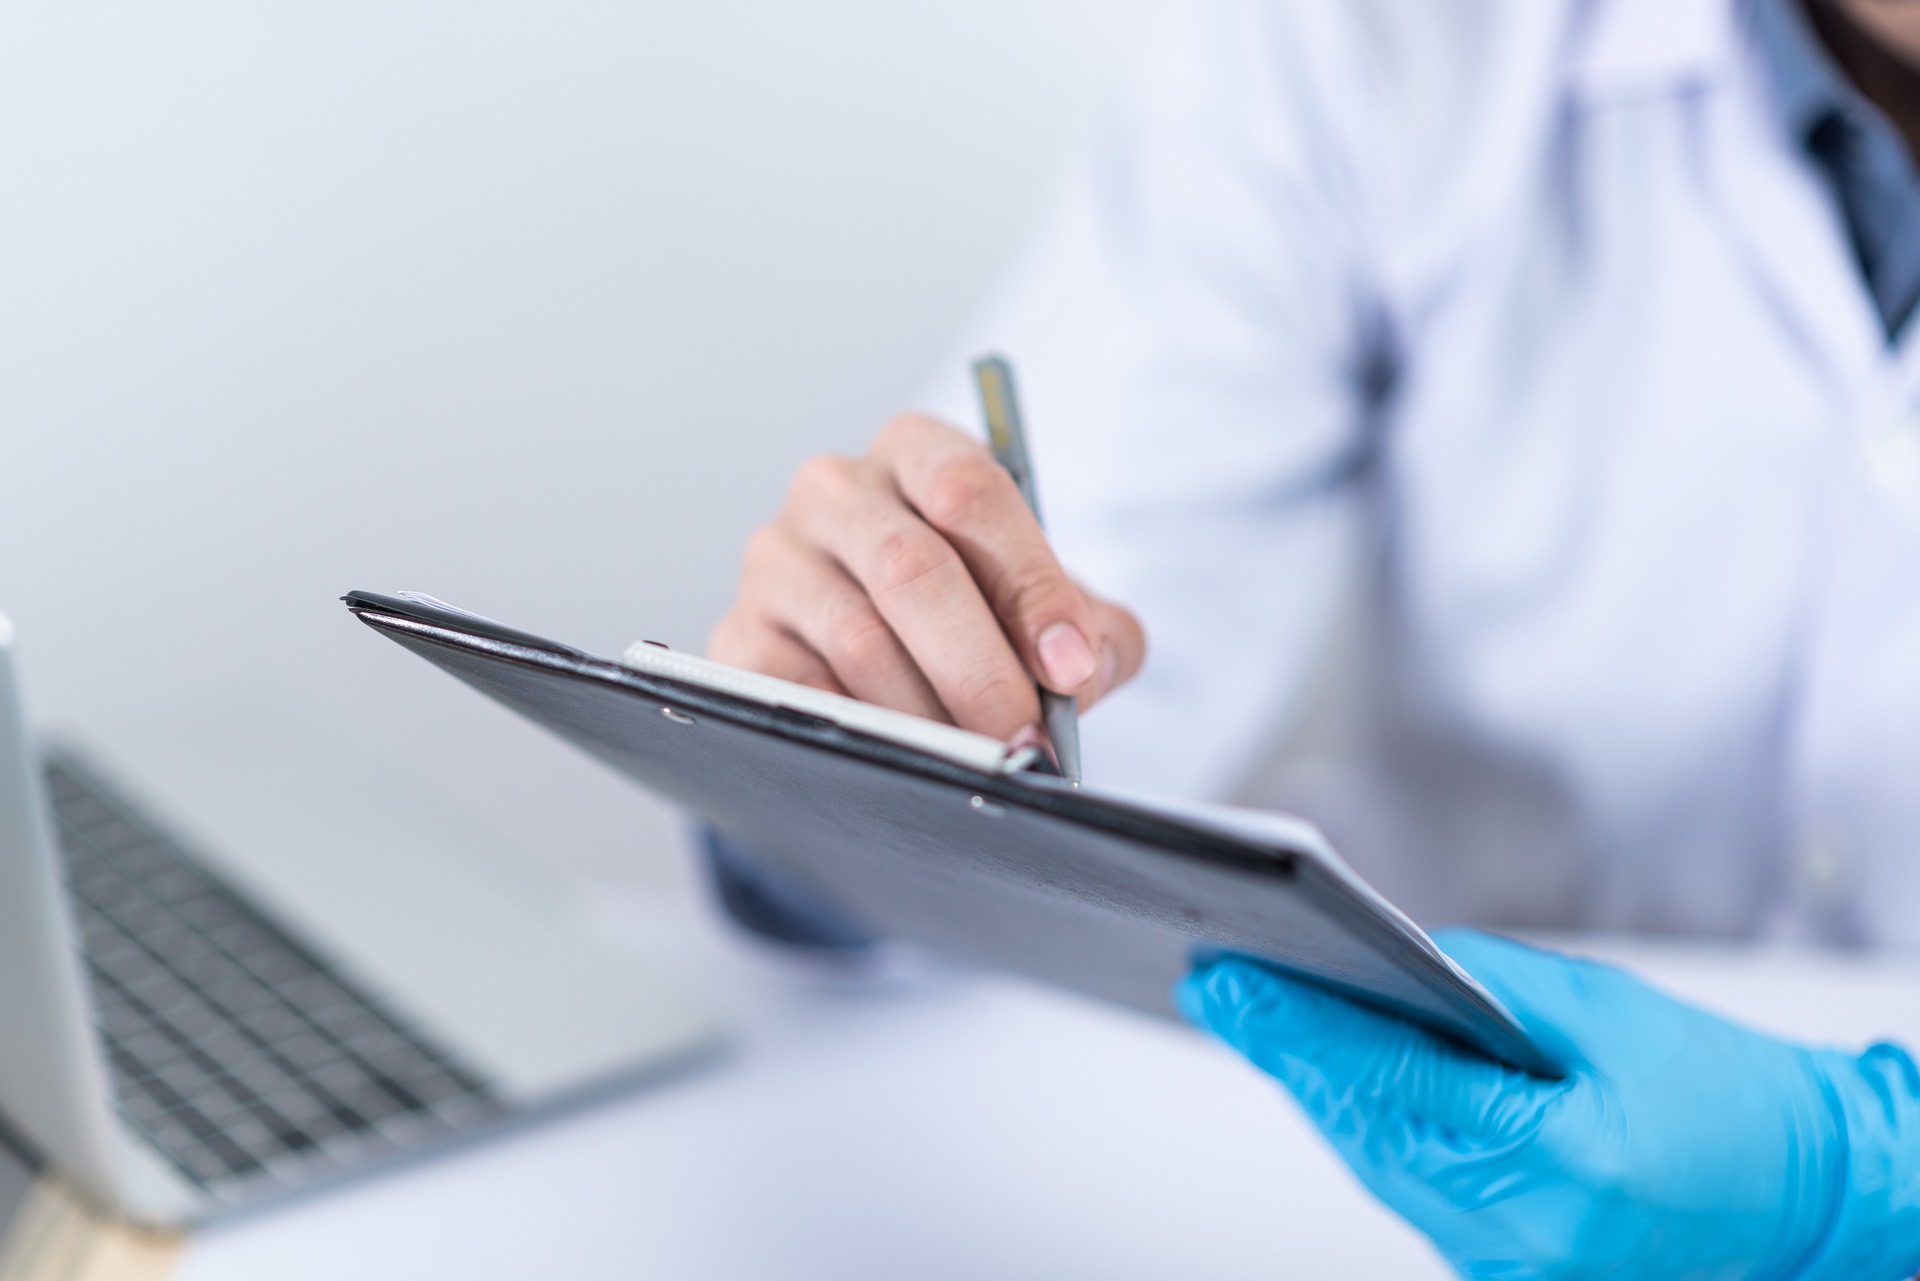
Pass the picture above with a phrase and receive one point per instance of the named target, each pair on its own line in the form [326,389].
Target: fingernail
[1035,737]
[1069,660]
[1031,736]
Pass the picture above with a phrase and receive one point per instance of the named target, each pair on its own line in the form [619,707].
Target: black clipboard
[1015,872]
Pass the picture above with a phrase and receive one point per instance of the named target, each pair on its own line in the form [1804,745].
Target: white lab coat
[1479,403]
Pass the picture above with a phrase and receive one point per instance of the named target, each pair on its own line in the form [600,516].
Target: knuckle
[997,694]
[962,490]
[764,548]
[906,557]
[859,640]
[1041,594]
[818,478]
[903,430]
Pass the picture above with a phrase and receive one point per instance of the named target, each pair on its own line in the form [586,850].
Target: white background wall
[530,305]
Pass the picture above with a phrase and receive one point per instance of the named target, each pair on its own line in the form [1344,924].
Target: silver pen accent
[993,377]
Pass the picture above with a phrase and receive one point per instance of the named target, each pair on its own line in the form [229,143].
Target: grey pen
[994,377]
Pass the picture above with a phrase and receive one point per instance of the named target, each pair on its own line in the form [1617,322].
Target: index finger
[958,488]
[923,590]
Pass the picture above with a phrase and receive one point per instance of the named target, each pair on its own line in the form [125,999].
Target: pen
[994,378]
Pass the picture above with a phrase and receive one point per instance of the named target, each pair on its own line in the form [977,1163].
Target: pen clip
[993,376]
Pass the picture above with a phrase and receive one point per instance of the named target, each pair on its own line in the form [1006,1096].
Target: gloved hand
[1679,1145]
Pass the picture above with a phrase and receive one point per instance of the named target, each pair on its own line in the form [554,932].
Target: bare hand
[916,578]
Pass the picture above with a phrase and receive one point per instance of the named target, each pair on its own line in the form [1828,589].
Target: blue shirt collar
[1863,156]
[1808,88]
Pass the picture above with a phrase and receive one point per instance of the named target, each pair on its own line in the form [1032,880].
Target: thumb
[1123,647]
[1351,1067]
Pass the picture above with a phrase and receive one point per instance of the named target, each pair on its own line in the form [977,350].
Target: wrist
[1873,1178]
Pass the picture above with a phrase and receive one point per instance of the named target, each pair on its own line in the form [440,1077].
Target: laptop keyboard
[236,1051]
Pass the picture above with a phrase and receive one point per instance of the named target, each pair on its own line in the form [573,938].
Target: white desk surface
[961,1127]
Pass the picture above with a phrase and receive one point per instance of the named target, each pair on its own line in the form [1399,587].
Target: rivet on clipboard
[981,805]
[678,718]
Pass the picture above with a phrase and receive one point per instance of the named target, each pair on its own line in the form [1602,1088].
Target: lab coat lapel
[1773,205]
[1787,228]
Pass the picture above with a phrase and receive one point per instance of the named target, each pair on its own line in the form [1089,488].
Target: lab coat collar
[1774,206]
[1634,48]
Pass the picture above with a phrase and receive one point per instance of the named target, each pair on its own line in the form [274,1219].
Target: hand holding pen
[1007,437]
[918,577]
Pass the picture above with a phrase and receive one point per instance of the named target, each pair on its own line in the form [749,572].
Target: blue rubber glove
[1679,1145]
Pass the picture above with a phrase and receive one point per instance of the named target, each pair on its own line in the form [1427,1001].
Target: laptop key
[235,1050]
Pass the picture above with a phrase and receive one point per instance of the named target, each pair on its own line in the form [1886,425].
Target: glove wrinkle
[1678,1146]
[1874,1168]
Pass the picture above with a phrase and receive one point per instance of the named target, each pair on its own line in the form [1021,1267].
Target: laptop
[235,965]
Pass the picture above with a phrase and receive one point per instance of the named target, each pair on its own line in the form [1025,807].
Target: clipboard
[964,849]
